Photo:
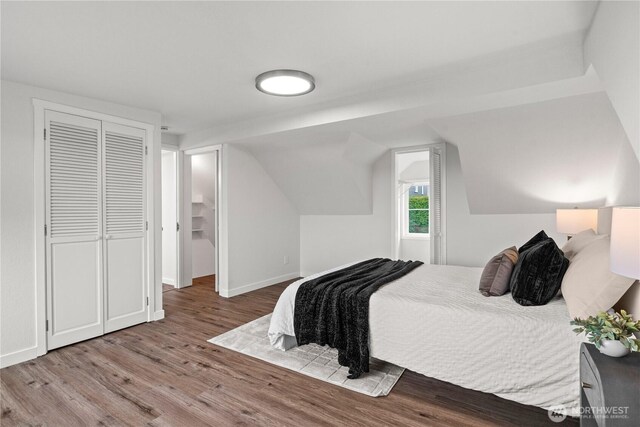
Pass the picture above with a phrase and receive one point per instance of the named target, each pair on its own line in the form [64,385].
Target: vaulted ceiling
[506,82]
[195,61]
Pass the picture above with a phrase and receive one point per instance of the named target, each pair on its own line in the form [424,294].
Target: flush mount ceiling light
[285,82]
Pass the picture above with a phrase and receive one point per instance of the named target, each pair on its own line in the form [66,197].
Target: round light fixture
[285,82]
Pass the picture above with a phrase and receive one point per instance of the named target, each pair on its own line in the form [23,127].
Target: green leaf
[609,326]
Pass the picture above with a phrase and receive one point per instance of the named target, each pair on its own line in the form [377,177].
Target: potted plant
[610,332]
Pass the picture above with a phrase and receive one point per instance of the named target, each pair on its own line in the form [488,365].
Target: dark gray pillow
[537,275]
[497,273]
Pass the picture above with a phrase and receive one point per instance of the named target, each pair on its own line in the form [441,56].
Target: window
[416,210]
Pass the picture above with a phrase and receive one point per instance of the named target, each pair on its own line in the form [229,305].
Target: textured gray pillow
[497,273]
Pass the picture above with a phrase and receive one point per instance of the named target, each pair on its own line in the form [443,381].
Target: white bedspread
[435,322]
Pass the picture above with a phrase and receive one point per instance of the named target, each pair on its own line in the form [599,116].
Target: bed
[435,322]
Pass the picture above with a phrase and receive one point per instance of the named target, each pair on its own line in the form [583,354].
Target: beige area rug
[311,360]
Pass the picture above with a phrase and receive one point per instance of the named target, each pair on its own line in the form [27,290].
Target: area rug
[311,360]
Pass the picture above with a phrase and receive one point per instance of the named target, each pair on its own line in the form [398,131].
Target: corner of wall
[263,226]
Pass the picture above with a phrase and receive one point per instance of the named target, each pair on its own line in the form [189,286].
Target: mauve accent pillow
[579,242]
[537,275]
[497,273]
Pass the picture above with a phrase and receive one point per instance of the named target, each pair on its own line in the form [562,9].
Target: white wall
[186,270]
[535,158]
[170,139]
[332,170]
[17,246]
[415,249]
[473,239]
[625,186]
[263,226]
[169,220]
[612,46]
[327,241]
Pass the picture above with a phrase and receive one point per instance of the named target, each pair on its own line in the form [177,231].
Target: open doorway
[412,184]
[201,203]
[170,227]
[203,196]
[418,204]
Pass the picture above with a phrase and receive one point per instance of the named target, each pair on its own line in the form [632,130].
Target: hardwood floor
[204,280]
[165,373]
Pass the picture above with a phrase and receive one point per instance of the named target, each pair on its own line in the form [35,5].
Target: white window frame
[438,243]
[405,212]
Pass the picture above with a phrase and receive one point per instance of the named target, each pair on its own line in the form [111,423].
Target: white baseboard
[258,285]
[18,357]
[186,285]
[158,315]
[168,281]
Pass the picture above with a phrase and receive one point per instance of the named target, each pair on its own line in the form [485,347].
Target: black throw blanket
[334,309]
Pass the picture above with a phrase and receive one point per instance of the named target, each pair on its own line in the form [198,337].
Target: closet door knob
[108,236]
[586,385]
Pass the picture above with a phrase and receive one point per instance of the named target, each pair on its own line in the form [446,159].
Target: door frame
[39,107]
[395,215]
[179,172]
[220,218]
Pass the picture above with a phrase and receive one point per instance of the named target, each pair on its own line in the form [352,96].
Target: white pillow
[589,286]
[579,242]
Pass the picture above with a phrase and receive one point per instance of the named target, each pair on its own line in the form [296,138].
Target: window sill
[415,237]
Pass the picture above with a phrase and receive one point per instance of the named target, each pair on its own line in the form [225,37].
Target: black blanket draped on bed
[334,309]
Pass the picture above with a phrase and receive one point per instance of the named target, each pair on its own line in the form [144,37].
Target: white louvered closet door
[124,224]
[74,229]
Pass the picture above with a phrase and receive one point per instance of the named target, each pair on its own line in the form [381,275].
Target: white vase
[613,348]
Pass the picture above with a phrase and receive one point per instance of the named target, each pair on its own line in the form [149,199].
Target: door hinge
[45,134]
[147,300]
[146,150]
[146,225]
[177,226]
[45,229]
[46,325]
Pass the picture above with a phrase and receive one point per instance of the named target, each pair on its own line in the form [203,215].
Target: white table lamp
[573,221]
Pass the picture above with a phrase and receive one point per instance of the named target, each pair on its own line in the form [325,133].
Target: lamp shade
[573,221]
[625,242]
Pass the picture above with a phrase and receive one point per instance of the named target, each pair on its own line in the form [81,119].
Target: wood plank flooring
[164,373]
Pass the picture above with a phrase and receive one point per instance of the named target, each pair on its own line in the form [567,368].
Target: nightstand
[610,388]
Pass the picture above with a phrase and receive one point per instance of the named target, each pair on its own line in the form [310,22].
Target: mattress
[435,322]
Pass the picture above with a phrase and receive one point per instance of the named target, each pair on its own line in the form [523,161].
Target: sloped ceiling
[538,157]
[528,150]
[533,130]
[195,61]
[322,173]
